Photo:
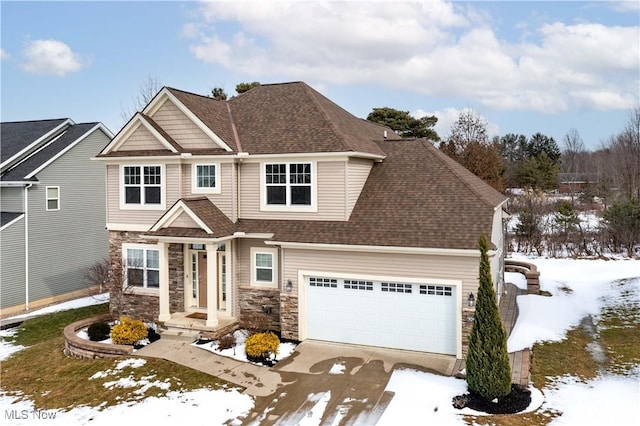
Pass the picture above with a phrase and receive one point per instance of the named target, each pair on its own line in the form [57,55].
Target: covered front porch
[201,297]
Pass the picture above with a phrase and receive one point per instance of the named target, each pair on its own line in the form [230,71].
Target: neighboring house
[278,201]
[52,203]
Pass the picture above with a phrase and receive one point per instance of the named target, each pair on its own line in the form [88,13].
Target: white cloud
[435,47]
[625,6]
[51,57]
[3,55]
[447,118]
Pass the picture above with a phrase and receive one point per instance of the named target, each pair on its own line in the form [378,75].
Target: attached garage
[387,313]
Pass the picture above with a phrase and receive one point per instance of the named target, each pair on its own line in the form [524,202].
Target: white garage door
[420,317]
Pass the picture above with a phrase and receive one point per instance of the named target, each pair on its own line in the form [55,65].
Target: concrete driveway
[339,384]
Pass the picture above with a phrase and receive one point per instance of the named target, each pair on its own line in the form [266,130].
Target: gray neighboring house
[52,203]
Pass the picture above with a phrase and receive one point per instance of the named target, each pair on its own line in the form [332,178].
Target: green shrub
[99,331]
[128,331]
[261,346]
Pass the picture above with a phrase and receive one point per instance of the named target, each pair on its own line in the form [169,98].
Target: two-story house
[52,203]
[278,201]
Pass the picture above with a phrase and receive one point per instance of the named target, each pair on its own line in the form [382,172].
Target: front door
[202,279]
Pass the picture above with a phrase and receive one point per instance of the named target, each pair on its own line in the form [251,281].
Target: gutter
[26,246]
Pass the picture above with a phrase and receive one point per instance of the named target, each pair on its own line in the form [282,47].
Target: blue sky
[525,67]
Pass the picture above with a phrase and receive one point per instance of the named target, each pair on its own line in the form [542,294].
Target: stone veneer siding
[146,306]
[289,316]
[467,324]
[252,299]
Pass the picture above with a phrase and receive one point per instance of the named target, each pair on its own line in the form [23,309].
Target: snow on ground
[578,288]
[72,304]
[237,352]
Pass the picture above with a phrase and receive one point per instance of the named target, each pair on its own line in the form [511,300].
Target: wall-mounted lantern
[288,287]
[471,300]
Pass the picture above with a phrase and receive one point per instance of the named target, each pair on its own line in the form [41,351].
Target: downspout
[26,246]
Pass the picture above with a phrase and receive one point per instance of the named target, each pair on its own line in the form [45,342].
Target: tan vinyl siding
[243,270]
[184,221]
[224,200]
[138,216]
[357,174]
[65,242]
[416,266]
[141,139]
[12,270]
[181,128]
[330,189]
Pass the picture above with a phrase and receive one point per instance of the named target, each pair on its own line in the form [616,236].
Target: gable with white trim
[181,128]
[141,139]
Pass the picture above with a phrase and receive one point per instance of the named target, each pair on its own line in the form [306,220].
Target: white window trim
[288,207]
[47,199]
[194,179]
[134,289]
[274,254]
[163,188]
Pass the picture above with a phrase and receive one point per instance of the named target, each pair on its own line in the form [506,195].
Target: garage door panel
[396,315]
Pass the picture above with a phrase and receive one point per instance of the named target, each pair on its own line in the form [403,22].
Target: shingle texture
[16,135]
[22,169]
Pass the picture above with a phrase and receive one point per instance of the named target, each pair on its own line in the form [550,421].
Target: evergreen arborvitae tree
[487,362]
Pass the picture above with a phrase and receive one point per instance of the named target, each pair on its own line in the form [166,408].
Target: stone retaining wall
[77,347]
[529,270]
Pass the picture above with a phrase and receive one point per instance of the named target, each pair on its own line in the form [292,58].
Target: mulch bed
[518,400]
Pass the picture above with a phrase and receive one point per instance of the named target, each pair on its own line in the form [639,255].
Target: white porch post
[165,314]
[212,285]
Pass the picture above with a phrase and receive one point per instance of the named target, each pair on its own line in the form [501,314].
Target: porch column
[212,285]
[165,314]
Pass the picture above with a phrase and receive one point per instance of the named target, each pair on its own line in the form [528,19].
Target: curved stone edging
[77,347]
[530,272]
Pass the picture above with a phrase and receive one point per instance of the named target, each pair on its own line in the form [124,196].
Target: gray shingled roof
[6,217]
[25,167]
[16,135]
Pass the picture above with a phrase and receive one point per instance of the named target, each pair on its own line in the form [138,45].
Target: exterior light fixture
[472,300]
[289,287]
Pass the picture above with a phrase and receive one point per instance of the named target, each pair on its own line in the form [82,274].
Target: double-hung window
[143,267]
[205,179]
[288,184]
[264,265]
[53,198]
[142,185]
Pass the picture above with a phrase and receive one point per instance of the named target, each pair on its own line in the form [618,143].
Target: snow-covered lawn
[578,288]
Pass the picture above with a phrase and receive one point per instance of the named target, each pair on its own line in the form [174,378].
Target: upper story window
[288,184]
[142,185]
[53,198]
[205,179]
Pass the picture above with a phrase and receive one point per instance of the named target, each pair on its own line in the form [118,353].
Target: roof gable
[142,129]
[18,138]
[37,160]
[189,214]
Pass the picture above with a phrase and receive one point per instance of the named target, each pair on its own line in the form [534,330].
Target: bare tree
[147,90]
[573,160]
[119,281]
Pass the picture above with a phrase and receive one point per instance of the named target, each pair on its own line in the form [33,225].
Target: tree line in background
[606,180]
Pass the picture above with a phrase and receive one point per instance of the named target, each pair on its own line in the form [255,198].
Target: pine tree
[487,362]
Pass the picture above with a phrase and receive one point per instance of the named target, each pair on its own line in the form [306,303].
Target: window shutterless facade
[53,198]
[205,179]
[264,271]
[142,185]
[288,184]
[143,266]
